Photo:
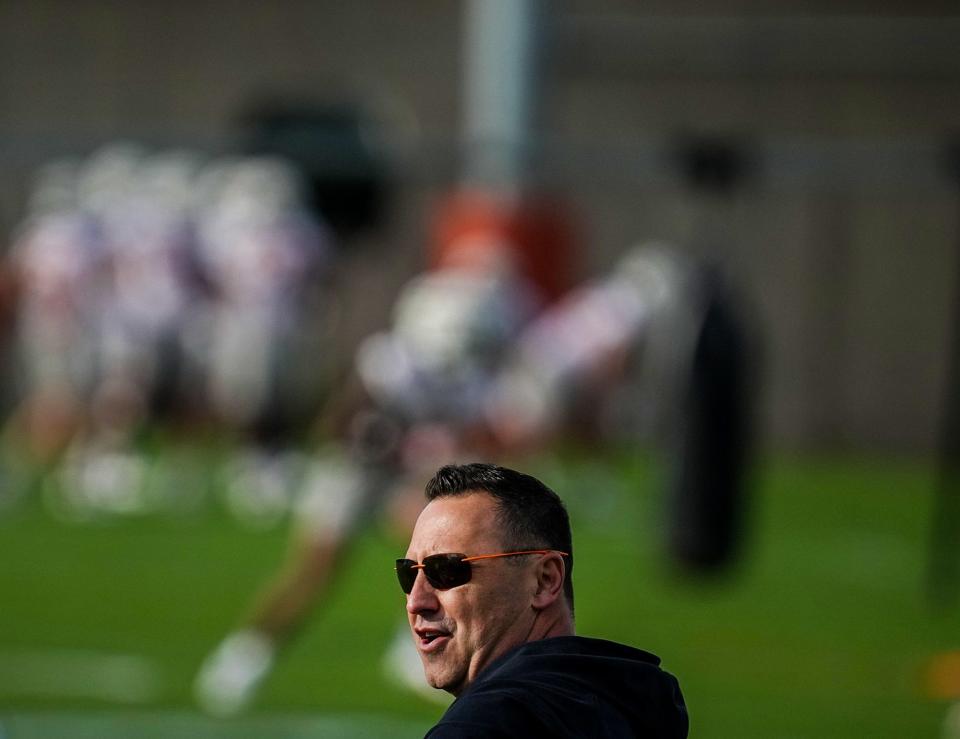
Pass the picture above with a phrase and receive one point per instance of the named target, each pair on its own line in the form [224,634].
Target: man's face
[460,631]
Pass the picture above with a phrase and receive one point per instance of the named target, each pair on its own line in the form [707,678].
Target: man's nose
[423,596]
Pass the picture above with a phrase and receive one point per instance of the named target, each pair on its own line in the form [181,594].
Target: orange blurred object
[942,676]
[537,231]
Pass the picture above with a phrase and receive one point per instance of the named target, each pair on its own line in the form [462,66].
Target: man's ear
[550,573]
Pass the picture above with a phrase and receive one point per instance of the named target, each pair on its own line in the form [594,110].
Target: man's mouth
[430,640]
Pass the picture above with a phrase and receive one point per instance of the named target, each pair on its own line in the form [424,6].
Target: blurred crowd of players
[166,293]
[159,290]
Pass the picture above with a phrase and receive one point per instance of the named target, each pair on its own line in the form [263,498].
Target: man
[490,605]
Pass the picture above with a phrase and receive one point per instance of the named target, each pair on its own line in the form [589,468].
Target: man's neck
[551,622]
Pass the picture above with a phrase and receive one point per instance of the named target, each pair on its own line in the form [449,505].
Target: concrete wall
[844,240]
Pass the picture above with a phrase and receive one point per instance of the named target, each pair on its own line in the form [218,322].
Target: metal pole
[944,567]
[501,71]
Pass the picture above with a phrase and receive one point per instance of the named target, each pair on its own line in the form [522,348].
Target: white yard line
[70,673]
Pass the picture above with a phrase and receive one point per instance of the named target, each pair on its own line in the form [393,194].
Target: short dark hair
[531,515]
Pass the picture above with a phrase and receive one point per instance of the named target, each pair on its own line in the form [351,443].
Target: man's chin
[442,681]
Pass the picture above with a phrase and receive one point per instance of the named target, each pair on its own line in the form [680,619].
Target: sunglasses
[445,571]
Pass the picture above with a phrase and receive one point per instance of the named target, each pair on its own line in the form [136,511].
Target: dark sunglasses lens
[446,570]
[406,574]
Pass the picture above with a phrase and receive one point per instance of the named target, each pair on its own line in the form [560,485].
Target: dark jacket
[569,686]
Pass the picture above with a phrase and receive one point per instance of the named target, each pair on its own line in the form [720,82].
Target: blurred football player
[466,370]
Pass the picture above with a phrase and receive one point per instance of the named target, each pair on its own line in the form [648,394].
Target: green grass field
[822,631]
